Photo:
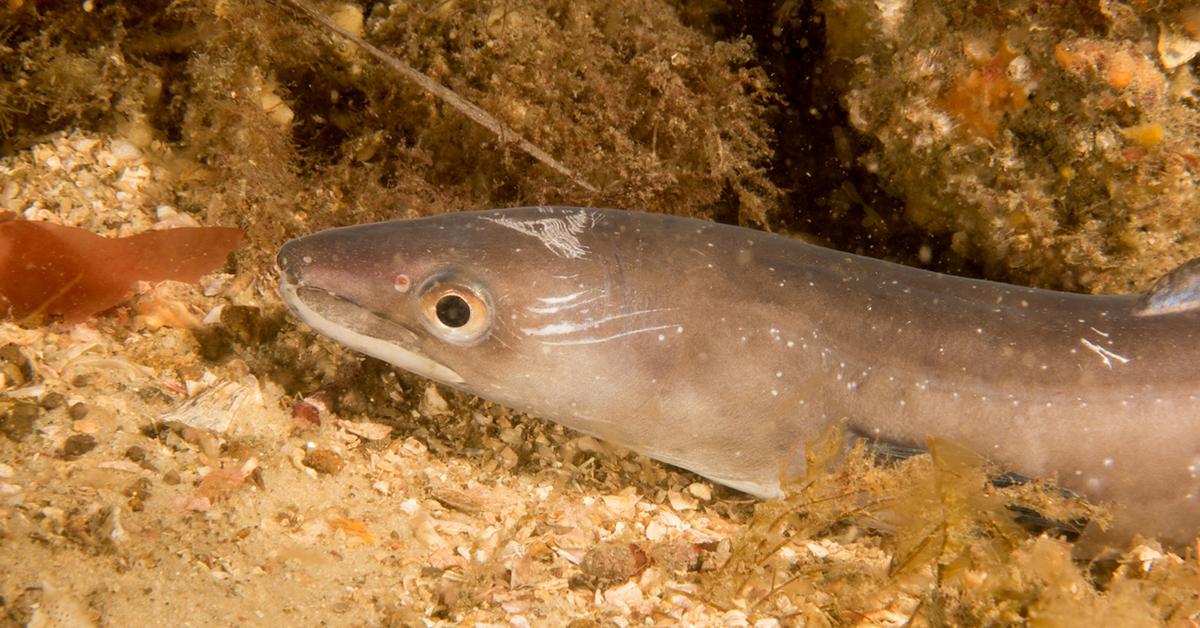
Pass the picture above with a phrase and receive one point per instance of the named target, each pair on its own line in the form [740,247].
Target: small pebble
[78,411]
[323,461]
[138,492]
[52,401]
[15,370]
[171,477]
[78,445]
[306,415]
[123,150]
[509,458]
[456,500]
[613,561]
[17,422]
[681,501]
[136,454]
[140,457]
[677,555]
[433,403]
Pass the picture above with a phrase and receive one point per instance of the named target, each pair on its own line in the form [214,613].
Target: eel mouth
[339,319]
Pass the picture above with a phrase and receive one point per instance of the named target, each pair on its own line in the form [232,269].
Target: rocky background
[1055,143]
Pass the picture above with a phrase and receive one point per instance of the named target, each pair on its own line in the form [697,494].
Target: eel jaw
[374,347]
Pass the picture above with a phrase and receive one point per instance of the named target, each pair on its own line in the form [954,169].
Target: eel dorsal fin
[1176,291]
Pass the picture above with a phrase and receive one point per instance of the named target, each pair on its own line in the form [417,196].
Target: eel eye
[455,311]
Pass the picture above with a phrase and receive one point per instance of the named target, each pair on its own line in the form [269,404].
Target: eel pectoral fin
[1176,291]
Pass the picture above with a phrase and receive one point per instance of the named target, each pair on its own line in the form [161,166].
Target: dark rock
[78,411]
[78,445]
[52,401]
[14,367]
[17,421]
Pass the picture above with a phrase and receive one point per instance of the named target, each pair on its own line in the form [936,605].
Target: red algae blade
[184,254]
[48,269]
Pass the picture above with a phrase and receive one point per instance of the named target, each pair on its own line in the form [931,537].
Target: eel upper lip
[302,290]
[387,339]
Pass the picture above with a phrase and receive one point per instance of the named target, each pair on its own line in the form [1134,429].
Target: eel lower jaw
[375,347]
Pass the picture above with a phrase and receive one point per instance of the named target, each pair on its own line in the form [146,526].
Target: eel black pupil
[453,311]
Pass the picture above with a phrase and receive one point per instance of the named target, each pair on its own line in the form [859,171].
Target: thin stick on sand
[504,133]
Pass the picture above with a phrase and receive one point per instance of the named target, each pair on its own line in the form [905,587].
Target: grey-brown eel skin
[724,350]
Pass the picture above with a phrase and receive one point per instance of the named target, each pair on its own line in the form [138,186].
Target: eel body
[725,350]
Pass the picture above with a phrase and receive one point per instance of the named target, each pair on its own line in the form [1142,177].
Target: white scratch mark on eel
[560,235]
[1106,355]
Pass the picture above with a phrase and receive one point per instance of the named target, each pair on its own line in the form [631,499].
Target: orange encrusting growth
[48,269]
[982,97]
[1120,66]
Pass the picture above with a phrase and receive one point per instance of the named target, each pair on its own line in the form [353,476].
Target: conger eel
[724,350]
